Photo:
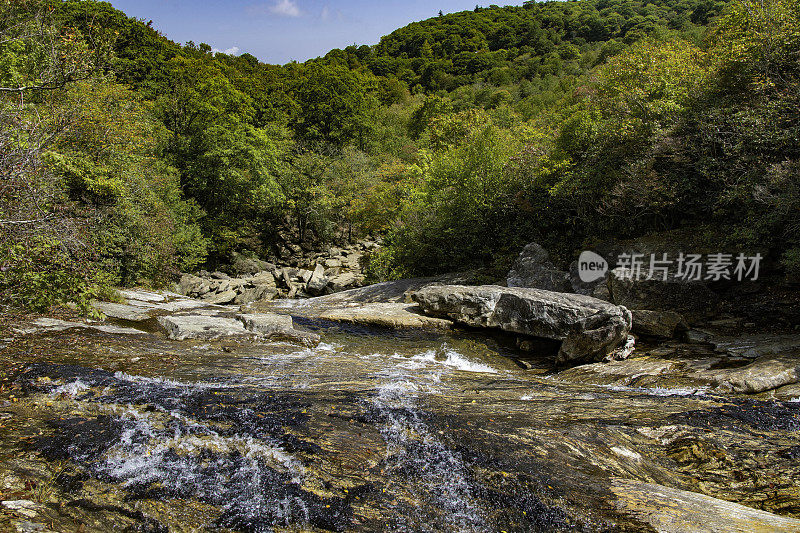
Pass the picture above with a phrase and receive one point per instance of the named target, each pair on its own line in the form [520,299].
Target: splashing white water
[71,389]
[440,475]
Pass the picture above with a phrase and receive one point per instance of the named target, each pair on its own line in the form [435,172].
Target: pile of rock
[253,280]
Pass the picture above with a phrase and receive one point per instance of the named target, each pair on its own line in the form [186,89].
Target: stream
[372,430]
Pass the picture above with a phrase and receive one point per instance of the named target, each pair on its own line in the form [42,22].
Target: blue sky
[278,31]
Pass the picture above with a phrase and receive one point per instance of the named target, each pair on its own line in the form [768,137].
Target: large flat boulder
[131,313]
[202,327]
[278,327]
[752,346]
[590,329]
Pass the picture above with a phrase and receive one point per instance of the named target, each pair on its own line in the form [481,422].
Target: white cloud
[326,13]
[232,51]
[285,8]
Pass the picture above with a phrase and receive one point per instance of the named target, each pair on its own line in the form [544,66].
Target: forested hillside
[127,158]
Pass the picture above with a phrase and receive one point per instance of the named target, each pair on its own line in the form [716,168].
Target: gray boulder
[142,295]
[343,281]
[266,323]
[318,282]
[264,278]
[256,294]
[278,327]
[131,313]
[590,329]
[202,327]
[663,324]
[221,298]
[533,269]
[190,285]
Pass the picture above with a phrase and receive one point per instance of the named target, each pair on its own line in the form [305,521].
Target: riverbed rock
[202,327]
[296,336]
[619,373]
[26,508]
[763,374]
[693,299]
[387,315]
[142,295]
[669,510]
[131,313]
[266,323]
[590,329]
[51,325]
[664,324]
[751,346]
[190,285]
[256,294]
[533,269]
[278,327]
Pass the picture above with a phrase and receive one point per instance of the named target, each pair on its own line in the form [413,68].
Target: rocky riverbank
[428,403]
[303,275]
[362,410]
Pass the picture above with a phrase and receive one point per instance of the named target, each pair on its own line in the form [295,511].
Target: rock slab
[590,329]
[202,327]
[669,510]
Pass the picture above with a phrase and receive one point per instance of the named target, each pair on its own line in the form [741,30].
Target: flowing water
[369,431]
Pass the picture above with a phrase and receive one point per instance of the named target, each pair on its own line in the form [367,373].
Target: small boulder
[192,285]
[142,296]
[131,313]
[333,263]
[201,327]
[221,298]
[763,374]
[664,324]
[304,275]
[533,269]
[316,285]
[278,327]
[266,323]
[343,281]
[256,294]
[264,278]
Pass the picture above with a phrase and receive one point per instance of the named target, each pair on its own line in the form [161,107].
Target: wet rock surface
[382,429]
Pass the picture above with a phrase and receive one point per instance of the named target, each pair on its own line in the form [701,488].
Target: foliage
[127,158]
